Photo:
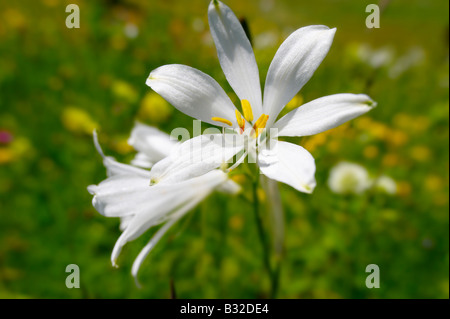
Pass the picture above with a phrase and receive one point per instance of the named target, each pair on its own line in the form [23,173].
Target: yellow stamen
[240,120]
[247,109]
[260,125]
[221,120]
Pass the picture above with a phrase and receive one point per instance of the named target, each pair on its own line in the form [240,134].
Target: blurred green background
[57,84]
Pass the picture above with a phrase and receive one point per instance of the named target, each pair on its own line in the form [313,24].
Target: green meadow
[58,84]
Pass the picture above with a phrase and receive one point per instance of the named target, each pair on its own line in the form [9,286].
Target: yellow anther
[261,122]
[260,125]
[240,120]
[247,109]
[221,120]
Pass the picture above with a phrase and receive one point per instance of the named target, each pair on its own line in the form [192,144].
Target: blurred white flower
[127,193]
[198,25]
[376,58]
[266,40]
[348,178]
[413,57]
[266,5]
[385,184]
[131,30]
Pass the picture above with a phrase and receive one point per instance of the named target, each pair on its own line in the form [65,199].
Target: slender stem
[262,237]
[270,186]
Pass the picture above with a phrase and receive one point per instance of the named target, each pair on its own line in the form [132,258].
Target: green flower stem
[263,239]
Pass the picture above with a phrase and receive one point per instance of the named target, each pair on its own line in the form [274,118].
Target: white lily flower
[200,96]
[127,193]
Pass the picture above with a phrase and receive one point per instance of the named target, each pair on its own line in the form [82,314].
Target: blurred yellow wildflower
[154,109]
[379,130]
[78,121]
[14,19]
[389,215]
[417,124]
[397,138]
[402,120]
[261,195]
[370,151]
[420,124]
[363,123]
[124,91]
[390,159]
[315,141]
[19,147]
[433,183]
[440,199]
[236,222]
[6,155]
[239,178]
[121,145]
[231,269]
[118,42]
[420,153]
[403,188]
[333,146]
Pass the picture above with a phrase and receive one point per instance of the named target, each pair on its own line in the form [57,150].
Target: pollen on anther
[239,119]
[247,109]
[222,120]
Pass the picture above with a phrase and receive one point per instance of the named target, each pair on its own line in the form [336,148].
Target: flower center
[257,128]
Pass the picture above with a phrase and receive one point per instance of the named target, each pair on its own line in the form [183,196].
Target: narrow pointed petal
[192,92]
[197,156]
[120,195]
[148,248]
[235,54]
[164,202]
[112,166]
[152,145]
[323,114]
[293,65]
[180,212]
[290,164]
[115,168]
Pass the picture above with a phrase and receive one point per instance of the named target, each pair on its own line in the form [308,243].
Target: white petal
[235,54]
[293,65]
[142,160]
[124,221]
[197,156]
[323,114]
[192,92]
[164,202]
[152,144]
[290,164]
[229,187]
[155,239]
[147,248]
[120,195]
[115,168]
